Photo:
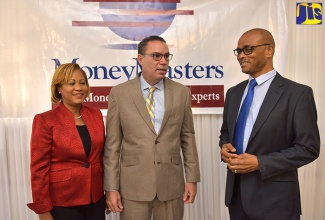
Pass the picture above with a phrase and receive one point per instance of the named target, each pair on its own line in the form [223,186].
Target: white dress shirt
[159,100]
[260,90]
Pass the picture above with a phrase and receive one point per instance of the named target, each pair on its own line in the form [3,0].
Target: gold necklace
[78,117]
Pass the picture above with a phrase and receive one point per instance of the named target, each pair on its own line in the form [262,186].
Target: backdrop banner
[102,37]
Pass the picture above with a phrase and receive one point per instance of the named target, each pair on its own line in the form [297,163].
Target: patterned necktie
[242,117]
[150,103]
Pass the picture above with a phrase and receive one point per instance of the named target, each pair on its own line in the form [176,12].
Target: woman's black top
[85,138]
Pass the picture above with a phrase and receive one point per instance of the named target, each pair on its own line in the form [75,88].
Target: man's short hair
[143,44]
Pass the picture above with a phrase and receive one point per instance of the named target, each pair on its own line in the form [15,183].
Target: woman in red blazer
[66,152]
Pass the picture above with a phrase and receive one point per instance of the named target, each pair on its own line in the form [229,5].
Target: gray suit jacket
[285,137]
[140,163]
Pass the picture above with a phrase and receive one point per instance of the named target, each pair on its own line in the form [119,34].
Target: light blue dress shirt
[260,90]
[159,100]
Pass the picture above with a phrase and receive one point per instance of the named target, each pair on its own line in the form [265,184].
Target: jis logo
[309,13]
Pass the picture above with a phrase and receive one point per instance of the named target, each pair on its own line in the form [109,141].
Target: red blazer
[61,173]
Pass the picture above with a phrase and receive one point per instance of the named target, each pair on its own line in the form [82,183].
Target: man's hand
[190,193]
[244,163]
[228,151]
[113,201]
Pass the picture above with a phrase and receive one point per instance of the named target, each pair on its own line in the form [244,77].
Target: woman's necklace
[78,117]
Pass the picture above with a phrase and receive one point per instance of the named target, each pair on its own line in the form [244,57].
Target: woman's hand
[45,216]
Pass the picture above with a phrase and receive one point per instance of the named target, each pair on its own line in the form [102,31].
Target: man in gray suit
[144,153]
[279,135]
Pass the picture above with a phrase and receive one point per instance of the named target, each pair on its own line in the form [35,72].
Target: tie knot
[252,83]
[152,89]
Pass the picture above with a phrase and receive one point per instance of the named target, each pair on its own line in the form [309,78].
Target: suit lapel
[168,102]
[234,106]
[137,96]
[271,99]
[70,130]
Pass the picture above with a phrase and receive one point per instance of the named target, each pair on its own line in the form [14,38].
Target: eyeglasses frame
[167,56]
[251,48]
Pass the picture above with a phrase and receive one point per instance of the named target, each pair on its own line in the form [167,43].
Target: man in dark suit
[279,135]
[143,166]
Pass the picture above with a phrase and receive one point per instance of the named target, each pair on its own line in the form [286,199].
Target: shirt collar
[264,77]
[145,85]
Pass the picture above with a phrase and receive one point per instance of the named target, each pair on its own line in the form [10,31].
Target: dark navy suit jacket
[284,137]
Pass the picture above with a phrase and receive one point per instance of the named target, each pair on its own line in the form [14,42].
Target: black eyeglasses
[247,49]
[158,56]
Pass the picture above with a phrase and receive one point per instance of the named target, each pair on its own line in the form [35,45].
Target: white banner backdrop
[102,37]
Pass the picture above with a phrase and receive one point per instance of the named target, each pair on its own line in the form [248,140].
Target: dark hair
[143,44]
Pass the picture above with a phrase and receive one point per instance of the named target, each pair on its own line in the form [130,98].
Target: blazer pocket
[175,118]
[286,177]
[130,161]
[279,114]
[176,160]
[60,176]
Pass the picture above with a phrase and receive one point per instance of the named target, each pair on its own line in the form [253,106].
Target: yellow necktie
[151,104]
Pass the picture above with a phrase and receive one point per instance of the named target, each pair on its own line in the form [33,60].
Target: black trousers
[236,210]
[93,211]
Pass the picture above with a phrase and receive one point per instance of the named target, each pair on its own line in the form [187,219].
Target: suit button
[156,142]
[86,165]
[158,162]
